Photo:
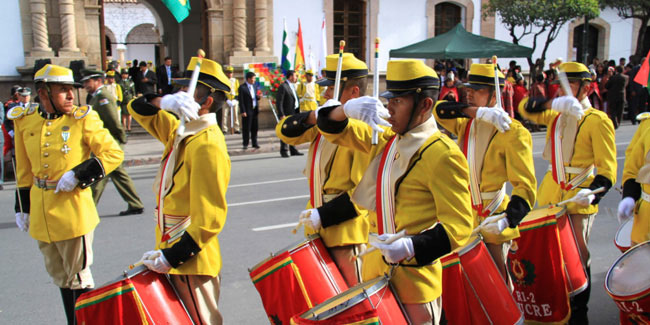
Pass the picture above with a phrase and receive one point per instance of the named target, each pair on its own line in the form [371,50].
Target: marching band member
[191,188]
[417,181]
[232,103]
[54,170]
[334,171]
[580,142]
[636,183]
[309,92]
[498,150]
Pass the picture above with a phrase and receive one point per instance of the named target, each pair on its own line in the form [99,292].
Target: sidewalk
[143,149]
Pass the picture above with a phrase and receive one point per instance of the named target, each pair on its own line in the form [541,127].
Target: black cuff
[182,251]
[450,110]
[142,106]
[516,210]
[328,126]
[22,200]
[295,125]
[598,182]
[89,172]
[337,210]
[632,189]
[431,245]
[535,105]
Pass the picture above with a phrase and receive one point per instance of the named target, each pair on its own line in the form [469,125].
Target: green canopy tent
[460,44]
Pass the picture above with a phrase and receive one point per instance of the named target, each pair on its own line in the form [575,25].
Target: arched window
[448,15]
[350,25]
[592,42]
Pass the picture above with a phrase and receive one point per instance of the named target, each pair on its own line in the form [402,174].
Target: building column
[121,50]
[40,36]
[239,28]
[261,29]
[216,34]
[68,31]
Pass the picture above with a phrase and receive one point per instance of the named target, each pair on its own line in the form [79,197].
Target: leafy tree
[639,9]
[532,18]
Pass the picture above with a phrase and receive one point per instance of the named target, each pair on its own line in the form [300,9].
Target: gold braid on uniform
[632,189]
[536,105]
[451,110]
[295,126]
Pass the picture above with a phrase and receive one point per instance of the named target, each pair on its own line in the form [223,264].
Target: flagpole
[337,80]
[375,86]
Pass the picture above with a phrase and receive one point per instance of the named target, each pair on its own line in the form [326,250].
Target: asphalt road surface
[266,193]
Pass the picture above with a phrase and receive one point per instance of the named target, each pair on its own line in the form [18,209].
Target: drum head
[346,300]
[624,234]
[544,212]
[629,276]
[291,247]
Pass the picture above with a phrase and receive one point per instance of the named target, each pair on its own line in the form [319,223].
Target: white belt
[308,100]
[330,197]
[489,195]
[572,170]
[645,196]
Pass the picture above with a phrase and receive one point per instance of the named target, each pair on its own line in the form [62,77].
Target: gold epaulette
[18,111]
[81,111]
[643,116]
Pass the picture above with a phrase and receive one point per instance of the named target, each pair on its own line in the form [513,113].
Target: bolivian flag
[180,9]
[299,60]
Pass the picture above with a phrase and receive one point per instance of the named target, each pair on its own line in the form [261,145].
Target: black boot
[67,295]
[579,303]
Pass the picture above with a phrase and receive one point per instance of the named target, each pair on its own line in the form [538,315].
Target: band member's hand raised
[369,110]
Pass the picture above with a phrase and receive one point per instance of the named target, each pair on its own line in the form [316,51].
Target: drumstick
[375,87]
[397,236]
[136,264]
[337,79]
[192,86]
[596,191]
[497,90]
[485,223]
[301,221]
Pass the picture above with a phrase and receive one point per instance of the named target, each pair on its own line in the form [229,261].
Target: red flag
[299,61]
[642,76]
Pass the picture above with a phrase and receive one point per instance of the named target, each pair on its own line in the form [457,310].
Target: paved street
[265,190]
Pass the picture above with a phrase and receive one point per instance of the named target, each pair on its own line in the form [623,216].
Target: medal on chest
[65,135]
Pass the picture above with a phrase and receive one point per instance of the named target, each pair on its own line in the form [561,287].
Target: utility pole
[102,35]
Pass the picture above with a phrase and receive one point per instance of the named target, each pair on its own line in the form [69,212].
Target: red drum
[140,296]
[473,290]
[575,271]
[623,239]
[371,302]
[628,283]
[297,278]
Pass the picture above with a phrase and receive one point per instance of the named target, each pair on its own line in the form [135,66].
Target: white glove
[625,208]
[495,116]
[396,251]
[67,182]
[582,199]
[310,217]
[568,105]
[11,133]
[22,221]
[156,261]
[182,104]
[495,228]
[369,110]
[229,102]
[234,102]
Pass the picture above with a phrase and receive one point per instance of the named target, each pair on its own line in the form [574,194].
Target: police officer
[54,169]
[498,150]
[128,93]
[104,103]
[417,181]
[580,143]
[191,204]
[308,93]
[334,171]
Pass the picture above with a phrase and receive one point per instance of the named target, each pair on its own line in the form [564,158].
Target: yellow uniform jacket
[432,203]
[234,89]
[47,146]
[309,96]
[343,172]
[508,158]
[594,144]
[201,177]
[636,180]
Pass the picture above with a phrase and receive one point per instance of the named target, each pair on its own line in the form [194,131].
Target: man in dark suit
[147,79]
[288,104]
[165,73]
[249,108]
[616,96]
[135,76]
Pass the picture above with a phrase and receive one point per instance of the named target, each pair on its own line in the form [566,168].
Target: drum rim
[561,212]
[616,242]
[632,296]
[380,283]
[465,249]
[288,248]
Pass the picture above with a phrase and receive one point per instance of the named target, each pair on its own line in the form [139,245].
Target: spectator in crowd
[616,95]
[147,79]
[594,63]
[135,75]
[520,91]
[621,62]
[248,97]
[288,104]
[165,73]
[538,89]
[638,95]
[551,87]
[594,93]
[507,95]
[449,91]
[460,81]
[128,93]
